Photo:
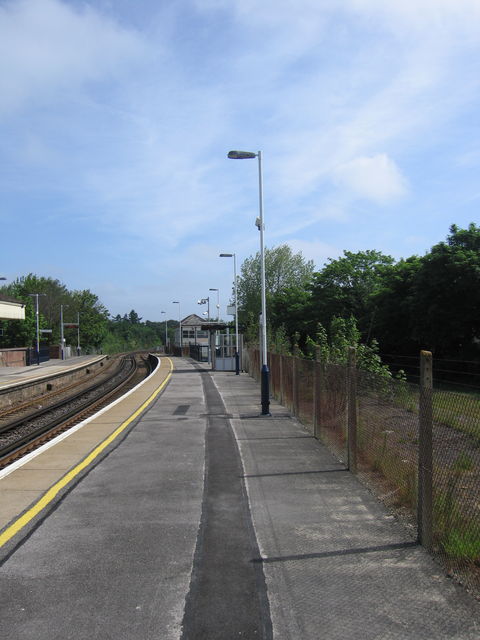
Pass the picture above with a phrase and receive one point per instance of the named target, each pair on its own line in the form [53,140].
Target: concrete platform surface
[13,375]
[207,520]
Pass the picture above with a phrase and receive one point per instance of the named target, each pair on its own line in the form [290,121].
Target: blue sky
[116,118]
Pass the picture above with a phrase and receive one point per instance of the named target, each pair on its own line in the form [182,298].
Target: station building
[12,309]
[192,332]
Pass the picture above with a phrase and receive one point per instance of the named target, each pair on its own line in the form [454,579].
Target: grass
[459,411]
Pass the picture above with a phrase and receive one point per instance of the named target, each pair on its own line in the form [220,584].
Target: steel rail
[61,423]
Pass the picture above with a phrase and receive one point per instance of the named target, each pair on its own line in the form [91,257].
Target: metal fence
[417,446]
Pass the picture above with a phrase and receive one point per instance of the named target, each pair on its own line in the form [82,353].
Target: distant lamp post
[166,334]
[62,338]
[35,295]
[179,325]
[237,355]
[207,302]
[265,395]
[218,303]
[78,333]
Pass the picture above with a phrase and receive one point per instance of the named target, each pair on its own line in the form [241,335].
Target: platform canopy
[213,326]
[11,309]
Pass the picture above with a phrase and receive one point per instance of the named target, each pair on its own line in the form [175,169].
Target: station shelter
[211,342]
[12,309]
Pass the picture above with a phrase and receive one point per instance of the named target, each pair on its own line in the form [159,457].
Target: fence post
[352,409]
[294,386]
[425,452]
[280,375]
[317,393]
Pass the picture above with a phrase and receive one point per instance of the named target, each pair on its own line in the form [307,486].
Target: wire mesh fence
[416,444]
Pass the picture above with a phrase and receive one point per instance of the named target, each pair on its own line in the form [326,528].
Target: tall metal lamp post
[237,355]
[218,302]
[265,394]
[78,333]
[35,295]
[207,302]
[62,337]
[166,334]
[179,326]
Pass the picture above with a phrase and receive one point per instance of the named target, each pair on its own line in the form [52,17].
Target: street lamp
[62,339]
[35,295]
[265,394]
[166,335]
[237,356]
[180,325]
[207,302]
[78,333]
[218,303]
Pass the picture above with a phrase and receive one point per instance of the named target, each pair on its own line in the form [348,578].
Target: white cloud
[47,47]
[315,250]
[376,178]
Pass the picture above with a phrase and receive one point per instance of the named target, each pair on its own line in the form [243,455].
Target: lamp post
[218,303]
[35,295]
[207,302]
[62,339]
[265,395]
[237,356]
[179,325]
[78,333]
[166,335]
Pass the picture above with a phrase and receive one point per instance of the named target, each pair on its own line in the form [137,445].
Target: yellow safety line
[45,500]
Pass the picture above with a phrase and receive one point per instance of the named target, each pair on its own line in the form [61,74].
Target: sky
[116,117]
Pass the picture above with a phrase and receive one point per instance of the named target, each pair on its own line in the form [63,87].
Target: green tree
[284,270]
[346,287]
[394,320]
[446,295]
[93,319]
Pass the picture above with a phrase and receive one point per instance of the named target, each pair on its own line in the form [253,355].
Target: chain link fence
[416,445]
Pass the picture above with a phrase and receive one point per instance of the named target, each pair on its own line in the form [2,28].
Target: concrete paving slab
[55,461]
[114,558]
[337,564]
[30,480]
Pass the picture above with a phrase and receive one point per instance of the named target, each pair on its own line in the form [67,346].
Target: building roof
[192,321]
[11,309]
[4,298]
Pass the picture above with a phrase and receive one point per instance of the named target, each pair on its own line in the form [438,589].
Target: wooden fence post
[317,393]
[425,452]
[282,385]
[352,409]
[295,385]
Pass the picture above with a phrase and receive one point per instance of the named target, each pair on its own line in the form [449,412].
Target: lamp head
[241,155]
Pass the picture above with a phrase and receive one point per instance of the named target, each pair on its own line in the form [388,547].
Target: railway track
[35,427]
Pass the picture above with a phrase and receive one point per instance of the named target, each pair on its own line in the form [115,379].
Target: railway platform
[14,375]
[192,516]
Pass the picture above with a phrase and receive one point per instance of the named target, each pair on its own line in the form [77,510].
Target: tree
[346,287]
[283,270]
[394,321]
[290,309]
[446,295]
[93,318]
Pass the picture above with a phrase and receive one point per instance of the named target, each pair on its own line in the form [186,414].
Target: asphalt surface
[208,520]
[228,594]
[114,557]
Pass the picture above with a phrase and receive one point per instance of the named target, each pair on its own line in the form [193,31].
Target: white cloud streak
[46,48]
[127,129]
